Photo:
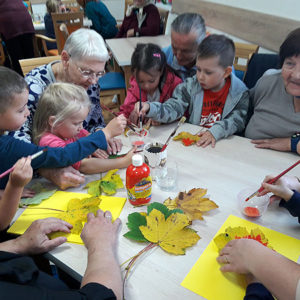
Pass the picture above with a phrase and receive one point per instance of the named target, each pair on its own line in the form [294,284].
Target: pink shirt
[51,140]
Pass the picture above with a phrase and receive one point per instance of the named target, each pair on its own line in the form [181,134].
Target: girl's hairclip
[156,55]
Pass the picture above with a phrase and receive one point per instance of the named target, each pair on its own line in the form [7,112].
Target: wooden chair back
[72,21]
[243,53]
[127,3]
[28,64]
[164,13]
[41,42]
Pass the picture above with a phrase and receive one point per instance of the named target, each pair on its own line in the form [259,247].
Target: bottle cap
[137,160]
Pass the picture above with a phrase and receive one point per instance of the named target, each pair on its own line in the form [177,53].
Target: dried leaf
[187,138]
[232,233]
[170,234]
[193,203]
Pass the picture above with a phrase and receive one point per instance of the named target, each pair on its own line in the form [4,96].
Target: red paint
[138,143]
[251,211]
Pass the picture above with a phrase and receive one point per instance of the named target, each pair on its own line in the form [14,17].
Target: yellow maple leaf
[170,234]
[193,203]
[186,138]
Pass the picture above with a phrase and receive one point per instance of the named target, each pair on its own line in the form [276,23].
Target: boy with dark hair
[211,98]
[13,114]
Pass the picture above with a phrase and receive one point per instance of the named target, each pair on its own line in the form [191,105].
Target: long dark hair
[148,57]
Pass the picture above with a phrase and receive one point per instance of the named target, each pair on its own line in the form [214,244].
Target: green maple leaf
[135,220]
[94,188]
[108,187]
[163,209]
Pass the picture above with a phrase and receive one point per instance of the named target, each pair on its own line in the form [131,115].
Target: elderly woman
[142,19]
[275,100]
[82,62]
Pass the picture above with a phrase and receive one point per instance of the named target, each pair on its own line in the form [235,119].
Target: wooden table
[123,48]
[233,165]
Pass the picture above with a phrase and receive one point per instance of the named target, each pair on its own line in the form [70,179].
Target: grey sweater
[273,109]
[189,96]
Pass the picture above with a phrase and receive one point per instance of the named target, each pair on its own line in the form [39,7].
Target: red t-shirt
[213,104]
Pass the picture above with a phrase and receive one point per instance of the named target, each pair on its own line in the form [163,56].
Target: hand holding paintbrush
[273,180]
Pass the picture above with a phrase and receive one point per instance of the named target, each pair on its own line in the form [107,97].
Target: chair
[72,21]
[42,39]
[258,65]
[243,53]
[28,64]
[163,19]
[111,84]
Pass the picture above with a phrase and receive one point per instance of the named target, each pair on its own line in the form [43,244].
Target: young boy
[13,114]
[211,98]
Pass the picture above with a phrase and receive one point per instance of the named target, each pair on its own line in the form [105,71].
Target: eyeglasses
[90,74]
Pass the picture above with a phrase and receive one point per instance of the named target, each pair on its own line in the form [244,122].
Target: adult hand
[35,240]
[114,146]
[99,153]
[279,144]
[206,139]
[130,32]
[100,232]
[143,111]
[28,193]
[282,188]
[22,172]
[115,127]
[235,256]
[63,177]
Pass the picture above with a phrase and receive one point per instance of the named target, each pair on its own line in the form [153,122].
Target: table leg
[127,75]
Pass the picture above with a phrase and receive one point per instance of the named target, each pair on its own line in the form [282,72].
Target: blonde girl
[58,121]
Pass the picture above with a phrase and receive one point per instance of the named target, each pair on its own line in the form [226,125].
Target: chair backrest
[243,53]
[164,13]
[127,3]
[72,21]
[28,64]
[258,65]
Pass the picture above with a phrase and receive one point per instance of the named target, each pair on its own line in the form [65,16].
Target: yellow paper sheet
[206,279]
[59,200]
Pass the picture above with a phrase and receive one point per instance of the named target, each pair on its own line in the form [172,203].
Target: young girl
[151,76]
[58,122]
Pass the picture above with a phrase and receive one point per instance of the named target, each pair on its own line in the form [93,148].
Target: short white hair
[86,43]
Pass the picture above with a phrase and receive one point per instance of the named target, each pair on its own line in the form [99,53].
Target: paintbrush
[181,121]
[129,123]
[273,180]
[33,156]
[140,116]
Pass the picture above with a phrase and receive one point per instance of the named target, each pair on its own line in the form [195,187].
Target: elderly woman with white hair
[82,63]
[142,19]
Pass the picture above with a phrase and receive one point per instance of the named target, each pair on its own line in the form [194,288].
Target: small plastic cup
[166,176]
[254,207]
[138,140]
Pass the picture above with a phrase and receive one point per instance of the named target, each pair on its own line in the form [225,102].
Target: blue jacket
[12,149]
[188,96]
[293,205]
[103,22]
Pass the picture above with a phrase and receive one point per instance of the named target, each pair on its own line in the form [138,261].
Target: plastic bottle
[138,181]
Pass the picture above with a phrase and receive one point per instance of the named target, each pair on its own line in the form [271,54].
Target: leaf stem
[132,261]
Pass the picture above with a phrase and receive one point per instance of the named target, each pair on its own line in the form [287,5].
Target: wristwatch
[294,141]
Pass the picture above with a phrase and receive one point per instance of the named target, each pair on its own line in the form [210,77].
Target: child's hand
[100,154]
[127,159]
[206,139]
[22,172]
[144,110]
[115,127]
[281,188]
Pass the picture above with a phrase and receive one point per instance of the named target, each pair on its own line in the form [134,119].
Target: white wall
[289,9]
